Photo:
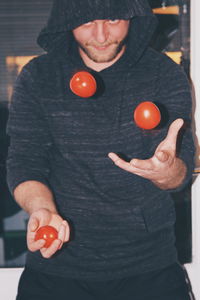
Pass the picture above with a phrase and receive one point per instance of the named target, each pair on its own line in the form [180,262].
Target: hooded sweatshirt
[121,224]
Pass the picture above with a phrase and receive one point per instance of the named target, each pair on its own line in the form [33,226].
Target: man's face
[102,40]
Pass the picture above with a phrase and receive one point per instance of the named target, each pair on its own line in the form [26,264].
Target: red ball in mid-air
[83,84]
[47,233]
[147,115]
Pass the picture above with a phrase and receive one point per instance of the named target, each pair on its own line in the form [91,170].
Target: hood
[68,14]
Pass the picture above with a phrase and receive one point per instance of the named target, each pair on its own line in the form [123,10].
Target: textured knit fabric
[121,224]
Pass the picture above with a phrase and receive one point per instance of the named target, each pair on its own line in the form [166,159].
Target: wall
[194,268]
[8,283]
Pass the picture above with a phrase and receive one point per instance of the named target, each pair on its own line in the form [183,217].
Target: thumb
[162,156]
[33,224]
[174,130]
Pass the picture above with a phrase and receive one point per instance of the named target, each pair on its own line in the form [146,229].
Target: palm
[163,158]
[41,218]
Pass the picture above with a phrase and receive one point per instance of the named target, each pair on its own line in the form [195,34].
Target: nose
[101,32]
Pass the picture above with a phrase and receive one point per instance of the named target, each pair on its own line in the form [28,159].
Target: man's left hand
[164,168]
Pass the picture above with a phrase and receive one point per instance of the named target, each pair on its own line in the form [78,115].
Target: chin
[98,58]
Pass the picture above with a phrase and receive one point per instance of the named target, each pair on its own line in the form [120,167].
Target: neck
[99,66]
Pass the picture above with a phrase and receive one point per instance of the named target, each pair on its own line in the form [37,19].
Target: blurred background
[20,23]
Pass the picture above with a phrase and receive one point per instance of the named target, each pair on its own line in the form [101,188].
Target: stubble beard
[101,56]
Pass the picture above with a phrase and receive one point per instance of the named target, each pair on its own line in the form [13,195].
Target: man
[114,220]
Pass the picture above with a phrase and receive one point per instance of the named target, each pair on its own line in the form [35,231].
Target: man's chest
[104,121]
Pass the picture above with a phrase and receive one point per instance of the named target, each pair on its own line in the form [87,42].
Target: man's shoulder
[40,75]
[39,63]
[161,57]
[43,69]
[161,62]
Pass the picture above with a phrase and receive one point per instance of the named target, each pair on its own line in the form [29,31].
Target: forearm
[34,195]
[174,176]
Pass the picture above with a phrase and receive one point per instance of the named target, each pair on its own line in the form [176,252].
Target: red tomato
[147,115]
[83,84]
[47,233]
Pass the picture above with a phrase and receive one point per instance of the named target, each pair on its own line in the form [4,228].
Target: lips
[101,48]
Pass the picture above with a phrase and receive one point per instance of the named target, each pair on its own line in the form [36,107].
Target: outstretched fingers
[171,138]
[120,162]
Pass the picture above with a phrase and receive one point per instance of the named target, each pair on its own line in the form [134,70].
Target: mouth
[100,48]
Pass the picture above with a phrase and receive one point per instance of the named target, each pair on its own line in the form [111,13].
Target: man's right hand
[44,217]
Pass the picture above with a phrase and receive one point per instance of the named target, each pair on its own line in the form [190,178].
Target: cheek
[124,30]
[119,35]
[82,36]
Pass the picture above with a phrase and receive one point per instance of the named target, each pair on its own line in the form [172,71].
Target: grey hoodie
[121,224]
